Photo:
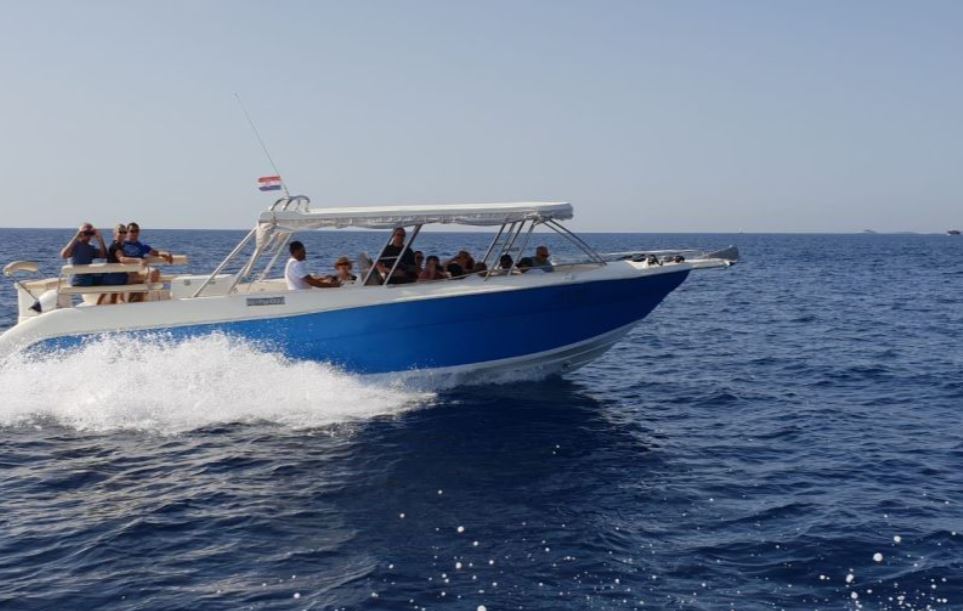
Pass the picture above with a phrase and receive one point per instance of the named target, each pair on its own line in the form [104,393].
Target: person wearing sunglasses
[115,254]
[136,249]
[133,248]
[405,270]
[81,252]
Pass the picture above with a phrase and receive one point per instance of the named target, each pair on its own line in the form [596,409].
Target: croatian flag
[269,183]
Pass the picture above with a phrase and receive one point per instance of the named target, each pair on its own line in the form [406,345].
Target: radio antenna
[264,147]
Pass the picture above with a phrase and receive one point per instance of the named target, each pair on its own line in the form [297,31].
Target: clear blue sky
[648,116]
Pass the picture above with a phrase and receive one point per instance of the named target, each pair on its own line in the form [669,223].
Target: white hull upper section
[269,299]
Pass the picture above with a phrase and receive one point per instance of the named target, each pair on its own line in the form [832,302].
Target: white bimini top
[386,217]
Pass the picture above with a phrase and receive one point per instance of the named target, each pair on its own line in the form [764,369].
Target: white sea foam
[166,387]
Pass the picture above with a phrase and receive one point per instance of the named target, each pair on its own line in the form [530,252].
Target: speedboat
[504,319]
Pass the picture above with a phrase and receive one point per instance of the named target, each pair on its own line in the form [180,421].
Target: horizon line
[366,230]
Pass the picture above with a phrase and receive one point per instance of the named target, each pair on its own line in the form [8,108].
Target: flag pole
[260,140]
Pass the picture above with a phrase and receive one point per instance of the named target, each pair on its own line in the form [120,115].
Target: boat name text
[265,301]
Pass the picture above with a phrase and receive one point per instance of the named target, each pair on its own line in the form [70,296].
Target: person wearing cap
[81,252]
[342,269]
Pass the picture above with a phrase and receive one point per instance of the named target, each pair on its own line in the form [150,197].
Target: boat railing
[145,268]
[729,254]
[505,240]
[296,203]
[38,295]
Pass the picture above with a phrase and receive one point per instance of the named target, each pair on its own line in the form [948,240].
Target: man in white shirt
[296,271]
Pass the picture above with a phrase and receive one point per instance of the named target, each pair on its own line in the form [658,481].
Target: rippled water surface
[787,434]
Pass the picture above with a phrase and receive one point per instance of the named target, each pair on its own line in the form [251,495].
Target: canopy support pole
[521,249]
[560,229]
[374,264]
[510,236]
[245,270]
[277,253]
[224,263]
[505,245]
[511,243]
[491,246]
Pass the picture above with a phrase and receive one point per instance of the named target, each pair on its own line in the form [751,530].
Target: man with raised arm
[81,252]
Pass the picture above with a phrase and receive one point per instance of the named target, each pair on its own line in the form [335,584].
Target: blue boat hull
[447,332]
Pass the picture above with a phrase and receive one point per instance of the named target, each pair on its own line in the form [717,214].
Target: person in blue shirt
[136,249]
[81,252]
[133,248]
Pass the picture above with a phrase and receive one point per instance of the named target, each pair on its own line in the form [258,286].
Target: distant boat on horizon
[953,232]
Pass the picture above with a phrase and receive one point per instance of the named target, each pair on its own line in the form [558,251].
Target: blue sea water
[787,434]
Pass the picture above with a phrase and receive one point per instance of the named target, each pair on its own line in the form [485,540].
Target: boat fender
[46,302]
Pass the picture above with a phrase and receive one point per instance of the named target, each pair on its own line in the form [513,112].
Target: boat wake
[157,385]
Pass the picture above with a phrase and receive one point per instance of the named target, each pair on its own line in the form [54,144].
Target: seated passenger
[342,268]
[460,264]
[115,254]
[524,264]
[405,271]
[419,262]
[480,268]
[454,270]
[133,248]
[542,260]
[81,252]
[432,270]
[466,261]
[505,263]
[296,271]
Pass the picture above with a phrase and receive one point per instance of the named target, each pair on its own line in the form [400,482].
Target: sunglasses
[87,233]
